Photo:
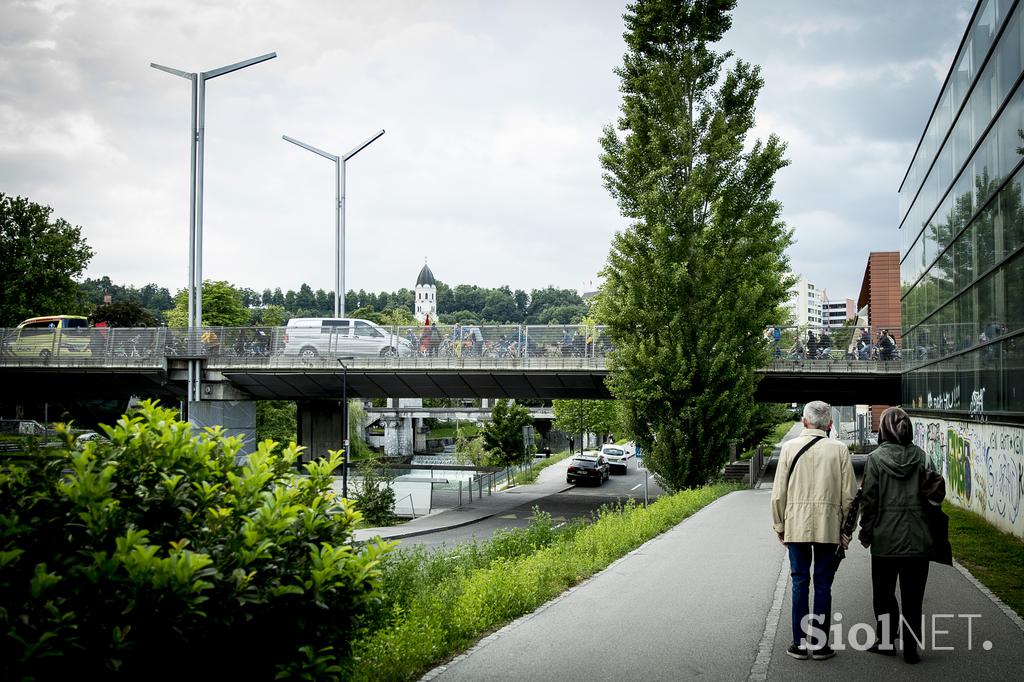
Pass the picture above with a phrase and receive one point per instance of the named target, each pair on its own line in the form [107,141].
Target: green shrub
[376,498]
[155,553]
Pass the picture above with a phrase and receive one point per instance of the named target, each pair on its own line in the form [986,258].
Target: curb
[439,529]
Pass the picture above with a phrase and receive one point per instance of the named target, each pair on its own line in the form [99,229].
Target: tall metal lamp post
[346,428]
[339,213]
[195,233]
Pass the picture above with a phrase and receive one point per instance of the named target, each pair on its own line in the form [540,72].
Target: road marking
[508,516]
[636,486]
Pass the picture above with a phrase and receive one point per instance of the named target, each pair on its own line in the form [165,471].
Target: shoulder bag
[932,492]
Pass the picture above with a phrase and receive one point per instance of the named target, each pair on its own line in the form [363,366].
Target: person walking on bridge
[813,489]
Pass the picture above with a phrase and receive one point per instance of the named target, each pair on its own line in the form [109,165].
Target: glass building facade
[961,209]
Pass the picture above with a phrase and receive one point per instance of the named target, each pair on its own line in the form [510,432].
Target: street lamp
[347,428]
[195,232]
[339,214]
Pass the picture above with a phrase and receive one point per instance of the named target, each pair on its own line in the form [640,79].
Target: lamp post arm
[311,148]
[207,75]
[363,146]
[173,72]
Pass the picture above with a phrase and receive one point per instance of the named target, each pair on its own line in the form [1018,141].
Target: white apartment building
[804,304]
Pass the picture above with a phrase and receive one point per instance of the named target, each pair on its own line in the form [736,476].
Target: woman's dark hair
[895,427]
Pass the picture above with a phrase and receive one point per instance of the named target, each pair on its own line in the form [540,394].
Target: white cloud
[489,166]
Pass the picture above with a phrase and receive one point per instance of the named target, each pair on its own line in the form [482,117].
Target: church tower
[426,295]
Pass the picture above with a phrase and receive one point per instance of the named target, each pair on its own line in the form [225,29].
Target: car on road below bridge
[590,466]
[618,457]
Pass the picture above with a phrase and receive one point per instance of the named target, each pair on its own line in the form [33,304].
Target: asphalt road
[576,501]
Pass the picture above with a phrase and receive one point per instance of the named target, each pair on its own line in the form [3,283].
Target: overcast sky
[489,166]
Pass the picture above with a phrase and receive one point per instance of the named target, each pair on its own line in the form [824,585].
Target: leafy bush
[156,550]
[376,498]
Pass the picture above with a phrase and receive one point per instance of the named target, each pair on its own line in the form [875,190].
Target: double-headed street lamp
[195,234]
[339,214]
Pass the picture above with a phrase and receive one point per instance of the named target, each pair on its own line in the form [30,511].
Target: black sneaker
[911,655]
[823,653]
[797,651]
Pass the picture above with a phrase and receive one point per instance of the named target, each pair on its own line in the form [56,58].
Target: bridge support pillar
[238,417]
[419,439]
[392,435]
[321,427]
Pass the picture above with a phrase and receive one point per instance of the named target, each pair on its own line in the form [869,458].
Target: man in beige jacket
[811,495]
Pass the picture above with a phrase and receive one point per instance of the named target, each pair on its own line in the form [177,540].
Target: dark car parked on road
[589,467]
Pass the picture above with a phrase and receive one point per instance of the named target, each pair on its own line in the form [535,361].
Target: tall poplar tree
[700,271]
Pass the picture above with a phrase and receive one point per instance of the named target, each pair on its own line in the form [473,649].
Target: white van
[315,337]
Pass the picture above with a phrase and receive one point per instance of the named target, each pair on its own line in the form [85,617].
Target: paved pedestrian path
[710,598]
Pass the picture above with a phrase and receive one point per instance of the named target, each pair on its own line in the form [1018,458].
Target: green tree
[222,307]
[401,317]
[598,416]
[276,421]
[126,314]
[503,434]
[40,257]
[500,307]
[469,449]
[269,316]
[700,271]
[764,417]
[358,447]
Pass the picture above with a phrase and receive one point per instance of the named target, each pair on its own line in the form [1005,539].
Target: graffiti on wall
[983,465]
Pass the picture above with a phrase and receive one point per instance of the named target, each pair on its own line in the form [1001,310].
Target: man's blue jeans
[801,556]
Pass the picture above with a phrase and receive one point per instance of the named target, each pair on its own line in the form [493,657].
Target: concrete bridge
[561,362]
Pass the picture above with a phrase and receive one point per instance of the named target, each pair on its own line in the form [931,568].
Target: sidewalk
[711,598]
[551,480]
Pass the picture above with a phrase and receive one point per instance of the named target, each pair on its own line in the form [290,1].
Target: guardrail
[436,346]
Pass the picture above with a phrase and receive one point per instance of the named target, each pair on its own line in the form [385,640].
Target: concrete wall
[238,417]
[321,427]
[983,465]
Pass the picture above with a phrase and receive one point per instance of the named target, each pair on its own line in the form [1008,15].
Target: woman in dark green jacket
[894,526]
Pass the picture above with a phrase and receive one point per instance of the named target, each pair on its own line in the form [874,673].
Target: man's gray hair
[818,414]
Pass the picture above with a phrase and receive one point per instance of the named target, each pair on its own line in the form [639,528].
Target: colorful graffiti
[958,464]
[983,465]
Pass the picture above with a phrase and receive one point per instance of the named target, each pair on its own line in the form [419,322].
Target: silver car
[310,338]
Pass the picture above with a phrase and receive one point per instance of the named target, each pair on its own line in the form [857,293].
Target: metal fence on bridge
[324,344]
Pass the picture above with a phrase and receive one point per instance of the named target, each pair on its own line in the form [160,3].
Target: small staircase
[737,472]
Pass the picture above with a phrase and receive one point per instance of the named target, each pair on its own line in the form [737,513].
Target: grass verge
[465,594]
[995,558]
[530,475]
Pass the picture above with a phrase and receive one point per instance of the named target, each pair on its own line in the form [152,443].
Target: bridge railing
[436,346]
[849,342]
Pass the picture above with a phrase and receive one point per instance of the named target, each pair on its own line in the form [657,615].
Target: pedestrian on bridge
[813,489]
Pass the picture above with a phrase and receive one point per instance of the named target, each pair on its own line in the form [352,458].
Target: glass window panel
[964,190]
[1011,210]
[980,106]
[984,247]
[1012,284]
[930,247]
[966,323]
[1009,54]
[961,76]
